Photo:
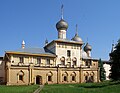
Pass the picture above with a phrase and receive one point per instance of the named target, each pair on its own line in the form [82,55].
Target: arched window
[20,76]
[91,79]
[65,76]
[86,77]
[49,76]
[74,61]
[62,60]
[73,76]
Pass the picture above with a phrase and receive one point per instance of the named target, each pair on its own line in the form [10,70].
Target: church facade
[59,61]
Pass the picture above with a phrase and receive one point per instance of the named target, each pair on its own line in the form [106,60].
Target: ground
[18,89]
[104,87]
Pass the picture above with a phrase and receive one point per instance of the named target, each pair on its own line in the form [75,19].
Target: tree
[115,62]
[102,70]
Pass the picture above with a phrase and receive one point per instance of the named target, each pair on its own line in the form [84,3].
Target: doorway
[39,80]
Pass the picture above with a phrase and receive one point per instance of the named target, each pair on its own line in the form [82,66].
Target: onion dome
[77,38]
[62,25]
[87,47]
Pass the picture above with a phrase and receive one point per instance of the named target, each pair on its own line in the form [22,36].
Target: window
[88,63]
[21,59]
[92,78]
[21,77]
[48,61]
[73,78]
[38,60]
[68,53]
[49,78]
[62,60]
[86,78]
[74,63]
[65,78]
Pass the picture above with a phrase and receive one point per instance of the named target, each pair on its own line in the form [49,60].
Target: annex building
[59,61]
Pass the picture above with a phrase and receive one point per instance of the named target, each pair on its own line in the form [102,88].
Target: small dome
[77,38]
[87,47]
[62,25]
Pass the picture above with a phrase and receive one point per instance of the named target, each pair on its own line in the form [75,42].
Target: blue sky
[35,20]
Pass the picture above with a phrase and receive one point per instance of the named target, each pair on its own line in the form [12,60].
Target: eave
[30,54]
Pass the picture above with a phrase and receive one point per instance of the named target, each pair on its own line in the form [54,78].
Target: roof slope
[34,51]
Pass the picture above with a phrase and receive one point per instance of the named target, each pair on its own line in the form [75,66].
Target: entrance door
[38,80]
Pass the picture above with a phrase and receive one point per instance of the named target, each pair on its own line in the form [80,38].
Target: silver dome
[87,47]
[77,38]
[62,25]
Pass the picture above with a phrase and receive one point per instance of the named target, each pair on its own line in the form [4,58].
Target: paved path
[39,89]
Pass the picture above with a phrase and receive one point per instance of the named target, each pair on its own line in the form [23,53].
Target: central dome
[62,25]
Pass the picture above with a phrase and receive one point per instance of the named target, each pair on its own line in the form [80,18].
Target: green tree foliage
[102,70]
[115,62]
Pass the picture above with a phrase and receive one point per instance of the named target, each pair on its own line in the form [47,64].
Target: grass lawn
[18,89]
[103,87]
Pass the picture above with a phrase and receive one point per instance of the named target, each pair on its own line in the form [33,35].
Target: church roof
[65,41]
[38,51]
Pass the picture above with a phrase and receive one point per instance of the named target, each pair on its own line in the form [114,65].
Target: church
[58,62]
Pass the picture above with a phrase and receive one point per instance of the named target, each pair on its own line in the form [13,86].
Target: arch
[91,78]
[62,59]
[38,79]
[20,75]
[65,76]
[86,75]
[49,76]
[92,74]
[73,76]
[86,79]
[74,60]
